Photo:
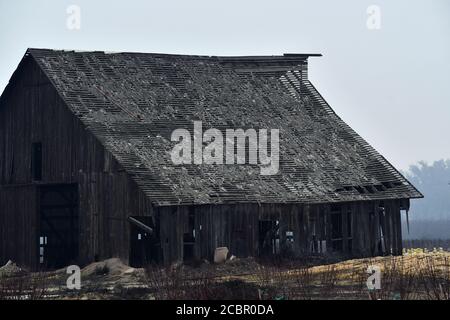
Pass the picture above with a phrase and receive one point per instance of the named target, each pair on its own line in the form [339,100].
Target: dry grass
[176,283]
[417,274]
[23,287]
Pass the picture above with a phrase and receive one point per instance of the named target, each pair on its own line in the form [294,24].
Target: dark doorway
[382,248]
[269,237]
[58,237]
[144,245]
[189,236]
[337,229]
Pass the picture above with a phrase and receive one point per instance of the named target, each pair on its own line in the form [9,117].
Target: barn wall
[237,227]
[32,111]
[18,243]
[232,226]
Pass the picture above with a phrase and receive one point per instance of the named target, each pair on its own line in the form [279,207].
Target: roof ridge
[285,56]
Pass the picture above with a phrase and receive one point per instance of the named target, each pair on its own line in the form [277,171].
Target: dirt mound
[112,267]
[10,269]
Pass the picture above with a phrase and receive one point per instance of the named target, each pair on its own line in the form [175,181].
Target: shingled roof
[133,101]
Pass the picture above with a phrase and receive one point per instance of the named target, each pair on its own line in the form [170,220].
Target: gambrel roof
[133,101]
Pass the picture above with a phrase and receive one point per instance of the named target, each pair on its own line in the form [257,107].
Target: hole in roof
[361,190]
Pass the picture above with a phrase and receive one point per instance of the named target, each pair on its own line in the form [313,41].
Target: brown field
[418,274]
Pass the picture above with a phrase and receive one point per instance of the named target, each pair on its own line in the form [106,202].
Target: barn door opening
[189,236]
[58,236]
[337,229]
[144,244]
[382,248]
[269,237]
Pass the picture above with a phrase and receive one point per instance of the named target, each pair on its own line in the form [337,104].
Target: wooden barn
[86,171]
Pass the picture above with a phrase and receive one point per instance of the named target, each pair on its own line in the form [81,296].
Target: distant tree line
[429,217]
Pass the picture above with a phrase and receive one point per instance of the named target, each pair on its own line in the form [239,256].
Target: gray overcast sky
[391,85]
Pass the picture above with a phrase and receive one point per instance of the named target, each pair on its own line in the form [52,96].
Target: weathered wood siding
[18,221]
[32,111]
[237,227]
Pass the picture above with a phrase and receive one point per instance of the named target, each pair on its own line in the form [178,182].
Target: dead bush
[23,287]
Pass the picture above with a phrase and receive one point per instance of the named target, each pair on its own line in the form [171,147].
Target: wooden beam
[140,225]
